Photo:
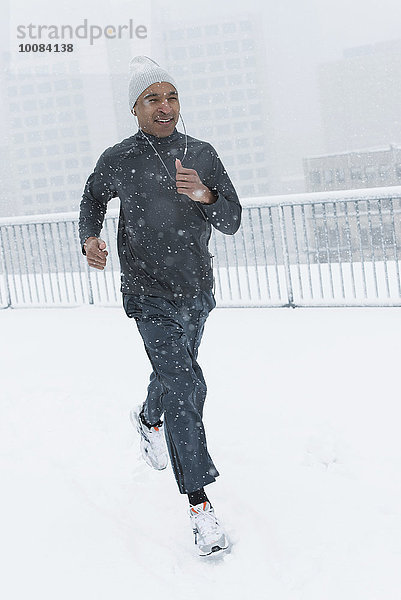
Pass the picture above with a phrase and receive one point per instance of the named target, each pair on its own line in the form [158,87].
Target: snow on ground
[303,423]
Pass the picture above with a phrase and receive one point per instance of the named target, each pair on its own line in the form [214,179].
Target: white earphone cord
[183,156]
[160,158]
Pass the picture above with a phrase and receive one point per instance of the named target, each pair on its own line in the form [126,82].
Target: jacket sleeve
[99,189]
[225,213]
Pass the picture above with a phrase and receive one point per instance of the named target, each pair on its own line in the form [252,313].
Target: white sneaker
[153,442]
[209,534]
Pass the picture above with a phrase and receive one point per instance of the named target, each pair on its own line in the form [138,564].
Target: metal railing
[320,249]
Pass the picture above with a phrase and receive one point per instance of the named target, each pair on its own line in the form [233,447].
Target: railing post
[5,271]
[89,282]
[36,248]
[286,257]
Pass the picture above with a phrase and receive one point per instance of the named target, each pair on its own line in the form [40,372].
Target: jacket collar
[159,141]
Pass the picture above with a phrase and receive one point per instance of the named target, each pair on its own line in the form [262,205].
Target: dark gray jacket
[162,236]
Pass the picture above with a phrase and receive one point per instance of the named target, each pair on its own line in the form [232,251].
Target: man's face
[158,109]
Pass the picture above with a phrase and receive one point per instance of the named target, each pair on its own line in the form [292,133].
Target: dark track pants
[171,332]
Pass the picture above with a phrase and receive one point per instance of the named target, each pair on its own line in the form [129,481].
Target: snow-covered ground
[303,422]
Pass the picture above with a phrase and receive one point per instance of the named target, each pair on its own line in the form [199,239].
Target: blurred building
[220,70]
[49,141]
[352,230]
[360,98]
[375,167]
[60,111]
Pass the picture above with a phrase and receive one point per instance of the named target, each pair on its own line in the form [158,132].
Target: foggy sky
[299,36]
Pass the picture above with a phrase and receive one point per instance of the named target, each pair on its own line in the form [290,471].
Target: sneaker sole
[215,551]
[134,418]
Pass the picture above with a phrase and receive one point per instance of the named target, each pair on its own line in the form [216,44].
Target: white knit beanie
[145,71]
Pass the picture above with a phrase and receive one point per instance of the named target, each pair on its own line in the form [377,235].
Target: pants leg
[192,317]
[171,333]
[153,408]
[193,326]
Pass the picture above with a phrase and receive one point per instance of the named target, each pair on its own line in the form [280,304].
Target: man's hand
[95,252]
[189,183]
